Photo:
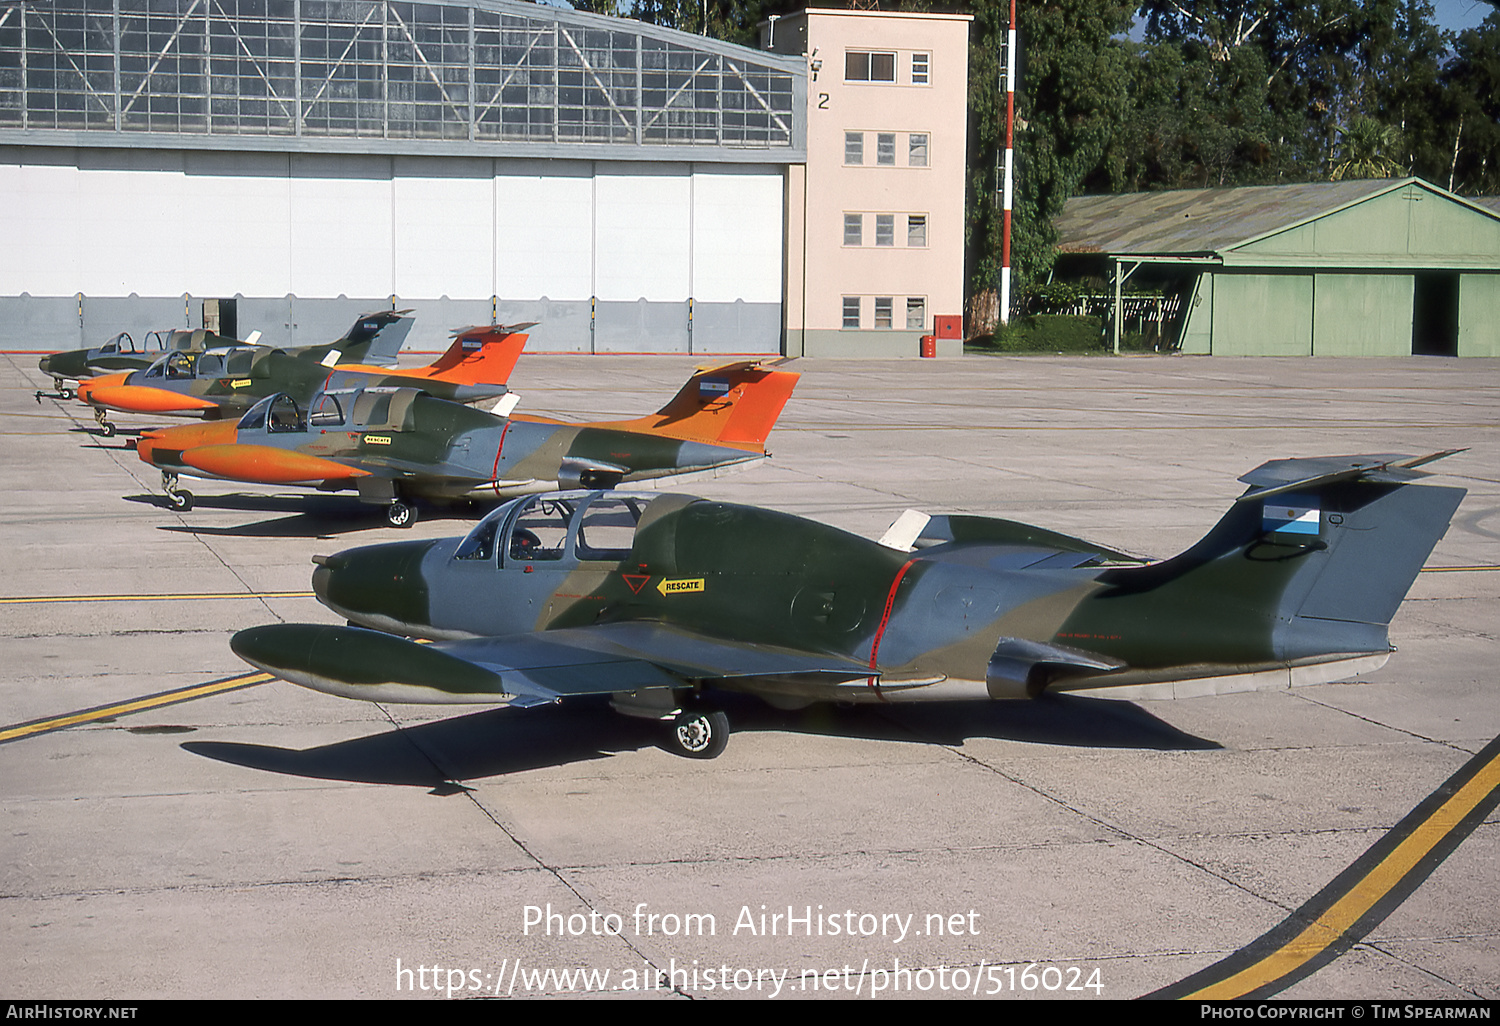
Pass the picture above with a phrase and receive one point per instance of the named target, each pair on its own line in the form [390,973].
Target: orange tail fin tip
[484,354]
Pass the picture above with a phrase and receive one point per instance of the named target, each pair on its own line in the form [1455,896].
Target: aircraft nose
[326,567]
[379,586]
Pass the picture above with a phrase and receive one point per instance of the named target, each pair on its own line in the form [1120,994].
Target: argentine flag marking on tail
[1290,514]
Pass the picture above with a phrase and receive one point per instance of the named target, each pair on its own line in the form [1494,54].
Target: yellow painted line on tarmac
[1455,569]
[178,597]
[133,705]
[1361,897]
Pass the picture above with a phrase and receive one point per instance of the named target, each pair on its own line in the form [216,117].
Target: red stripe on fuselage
[885,617]
[499,449]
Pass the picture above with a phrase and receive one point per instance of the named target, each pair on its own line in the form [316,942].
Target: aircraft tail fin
[482,355]
[376,338]
[733,405]
[1314,558]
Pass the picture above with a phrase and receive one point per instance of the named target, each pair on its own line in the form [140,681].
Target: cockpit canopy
[379,409]
[215,363]
[558,526]
[281,413]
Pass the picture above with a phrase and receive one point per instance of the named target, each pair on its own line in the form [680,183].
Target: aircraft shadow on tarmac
[312,516]
[497,742]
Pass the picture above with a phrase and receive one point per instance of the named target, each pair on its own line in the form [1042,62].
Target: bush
[1047,333]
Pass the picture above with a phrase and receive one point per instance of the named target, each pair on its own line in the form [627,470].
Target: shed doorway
[1434,314]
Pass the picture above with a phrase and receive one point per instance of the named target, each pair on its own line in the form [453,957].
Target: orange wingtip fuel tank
[111,391]
[266,464]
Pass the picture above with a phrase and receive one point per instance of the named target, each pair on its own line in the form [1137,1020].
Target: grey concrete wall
[49,323]
[561,326]
[578,326]
[640,327]
[737,327]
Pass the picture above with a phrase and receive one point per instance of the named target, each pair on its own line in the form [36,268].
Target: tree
[1307,48]
[1366,148]
[1197,121]
[1072,75]
[735,21]
[1472,86]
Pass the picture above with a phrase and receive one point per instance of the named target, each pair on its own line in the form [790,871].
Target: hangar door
[644,258]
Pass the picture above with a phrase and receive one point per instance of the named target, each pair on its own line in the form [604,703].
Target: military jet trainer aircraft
[227,382]
[658,600]
[394,445]
[385,330]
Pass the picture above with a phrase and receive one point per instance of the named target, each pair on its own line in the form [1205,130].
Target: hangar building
[1357,268]
[284,165]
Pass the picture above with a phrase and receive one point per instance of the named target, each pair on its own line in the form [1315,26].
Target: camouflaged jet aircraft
[227,382]
[396,445]
[375,338]
[660,600]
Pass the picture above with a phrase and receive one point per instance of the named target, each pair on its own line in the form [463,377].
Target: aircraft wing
[525,669]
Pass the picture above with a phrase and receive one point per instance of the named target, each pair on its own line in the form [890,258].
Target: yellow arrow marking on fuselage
[680,585]
[134,705]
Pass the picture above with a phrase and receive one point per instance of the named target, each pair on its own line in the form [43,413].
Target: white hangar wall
[604,255]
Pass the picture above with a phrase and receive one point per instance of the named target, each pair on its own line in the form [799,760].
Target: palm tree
[1364,148]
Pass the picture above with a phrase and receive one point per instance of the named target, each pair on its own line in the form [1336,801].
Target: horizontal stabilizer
[1297,475]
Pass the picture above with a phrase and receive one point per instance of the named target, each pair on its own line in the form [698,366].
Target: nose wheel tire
[700,733]
[400,514]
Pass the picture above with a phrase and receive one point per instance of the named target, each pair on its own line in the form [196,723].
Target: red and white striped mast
[1010,122]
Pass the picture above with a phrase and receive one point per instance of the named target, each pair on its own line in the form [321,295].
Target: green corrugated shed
[1366,268]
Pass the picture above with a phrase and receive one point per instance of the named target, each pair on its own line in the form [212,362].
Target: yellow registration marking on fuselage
[680,585]
[134,705]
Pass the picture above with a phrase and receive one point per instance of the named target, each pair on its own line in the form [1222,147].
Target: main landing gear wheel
[400,514]
[700,733]
[105,427]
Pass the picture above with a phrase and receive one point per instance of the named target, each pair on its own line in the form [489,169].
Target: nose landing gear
[180,499]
